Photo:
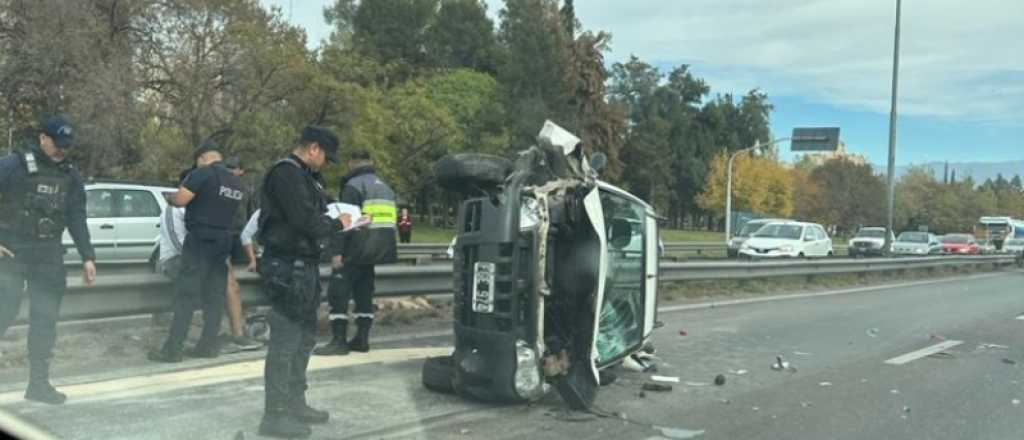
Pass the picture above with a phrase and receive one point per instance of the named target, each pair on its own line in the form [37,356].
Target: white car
[123,219]
[917,243]
[1013,245]
[869,241]
[788,239]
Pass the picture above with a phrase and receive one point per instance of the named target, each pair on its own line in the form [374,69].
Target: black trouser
[352,282]
[405,237]
[40,275]
[293,289]
[202,280]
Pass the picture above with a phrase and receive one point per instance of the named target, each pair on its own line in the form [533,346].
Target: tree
[852,195]
[463,36]
[759,185]
[393,30]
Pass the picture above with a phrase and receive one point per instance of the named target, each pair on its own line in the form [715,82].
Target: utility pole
[892,131]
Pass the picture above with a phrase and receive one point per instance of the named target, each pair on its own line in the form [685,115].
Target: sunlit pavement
[842,387]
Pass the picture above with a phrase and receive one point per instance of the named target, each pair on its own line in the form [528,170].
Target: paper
[335,210]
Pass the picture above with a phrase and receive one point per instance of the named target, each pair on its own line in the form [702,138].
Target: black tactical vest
[33,208]
[274,233]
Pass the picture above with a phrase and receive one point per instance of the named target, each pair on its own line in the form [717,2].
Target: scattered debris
[942,355]
[906,410]
[993,347]
[659,324]
[894,391]
[863,381]
[781,365]
[1015,401]
[824,384]
[135,338]
[1009,361]
[756,408]
[936,337]
[683,333]
[464,431]
[657,387]
[679,433]
[738,372]
[638,364]
[672,379]
[873,332]
[720,380]
[805,404]
[801,353]
[573,416]
[696,384]
[724,401]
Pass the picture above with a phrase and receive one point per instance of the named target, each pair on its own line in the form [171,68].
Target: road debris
[863,381]
[573,416]
[464,431]
[894,391]
[738,372]
[1015,401]
[801,353]
[873,332]
[656,387]
[906,410]
[696,384]
[724,401]
[642,394]
[1009,361]
[781,365]
[720,380]
[942,355]
[936,337]
[824,384]
[639,364]
[683,333]
[993,347]
[805,404]
[671,379]
[679,433]
[756,408]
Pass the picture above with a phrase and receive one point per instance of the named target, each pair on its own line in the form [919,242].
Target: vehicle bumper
[867,251]
[752,254]
[485,364]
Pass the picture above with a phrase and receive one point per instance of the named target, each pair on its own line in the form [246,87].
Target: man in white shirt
[247,236]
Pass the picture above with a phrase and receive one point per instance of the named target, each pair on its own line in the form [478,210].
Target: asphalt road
[842,387]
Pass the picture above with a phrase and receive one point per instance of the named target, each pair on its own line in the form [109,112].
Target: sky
[829,63]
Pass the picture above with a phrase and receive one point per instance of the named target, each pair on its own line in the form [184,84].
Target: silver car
[748,229]
[917,244]
[123,220]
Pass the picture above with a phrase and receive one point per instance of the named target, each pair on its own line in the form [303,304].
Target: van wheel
[438,373]
[831,254]
[801,255]
[458,171]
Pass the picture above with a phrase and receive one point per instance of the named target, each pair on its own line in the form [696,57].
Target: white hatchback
[788,239]
[123,219]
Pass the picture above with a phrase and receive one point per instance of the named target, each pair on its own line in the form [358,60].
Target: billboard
[815,139]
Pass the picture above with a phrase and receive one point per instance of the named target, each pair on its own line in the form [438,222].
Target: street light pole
[892,131]
[728,182]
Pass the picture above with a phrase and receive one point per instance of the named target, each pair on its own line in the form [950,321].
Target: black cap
[206,147]
[233,163]
[323,137]
[59,129]
[360,154]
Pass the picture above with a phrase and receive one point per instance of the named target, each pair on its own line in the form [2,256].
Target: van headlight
[527,377]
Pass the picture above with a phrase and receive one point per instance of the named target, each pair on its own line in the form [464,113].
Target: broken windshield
[622,311]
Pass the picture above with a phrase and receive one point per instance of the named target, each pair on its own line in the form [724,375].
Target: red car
[960,244]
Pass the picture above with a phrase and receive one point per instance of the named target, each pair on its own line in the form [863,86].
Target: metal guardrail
[122,295]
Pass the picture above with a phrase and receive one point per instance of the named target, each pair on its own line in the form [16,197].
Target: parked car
[733,249]
[788,239]
[123,219]
[548,305]
[869,241]
[1014,245]
[960,244]
[917,243]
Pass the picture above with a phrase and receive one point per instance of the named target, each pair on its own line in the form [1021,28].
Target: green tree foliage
[851,195]
[462,36]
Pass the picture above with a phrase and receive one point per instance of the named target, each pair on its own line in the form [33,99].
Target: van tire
[457,172]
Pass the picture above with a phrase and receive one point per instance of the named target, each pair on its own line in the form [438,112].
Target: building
[819,158]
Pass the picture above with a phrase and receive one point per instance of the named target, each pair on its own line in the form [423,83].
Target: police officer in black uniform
[40,194]
[293,228]
[210,194]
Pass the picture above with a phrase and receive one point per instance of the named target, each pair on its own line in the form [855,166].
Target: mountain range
[979,171]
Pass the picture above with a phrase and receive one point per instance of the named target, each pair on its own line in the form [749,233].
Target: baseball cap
[324,137]
[59,129]
[205,147]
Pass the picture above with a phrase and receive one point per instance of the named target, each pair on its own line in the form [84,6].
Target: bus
[998,229]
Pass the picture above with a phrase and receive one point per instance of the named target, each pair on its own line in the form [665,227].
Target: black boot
[361,342]
[282,424]
[39,388]
[304,413]
[337,346]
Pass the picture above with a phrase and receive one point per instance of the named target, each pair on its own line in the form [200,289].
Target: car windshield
[778,230]
[956,239]
[913,237]
[871,233]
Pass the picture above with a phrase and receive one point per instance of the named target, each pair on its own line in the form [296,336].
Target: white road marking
[927,351]
[156,383]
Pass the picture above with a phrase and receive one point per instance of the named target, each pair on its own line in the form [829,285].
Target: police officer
[210,195]
[41,193]
[292,228]
[357,251]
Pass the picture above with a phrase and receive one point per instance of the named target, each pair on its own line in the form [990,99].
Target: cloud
[958,59]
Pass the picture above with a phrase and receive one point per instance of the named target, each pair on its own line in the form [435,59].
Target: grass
[674,235]
[422,233]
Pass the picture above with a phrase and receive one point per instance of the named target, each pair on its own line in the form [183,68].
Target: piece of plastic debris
[657,387]
[863,381]
[1009,361]
[873,332]
[1015,401]
[683,333]
[756,408]
[824,384]
[464,431]
[906,409]
[634,363]
[724,401]
[894,391]
[781,365]
[942,355]
[671,379]
[679,433]
[695,384]
[805,404]
[739,372]
[720,380]
[993,347]
[801,353]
